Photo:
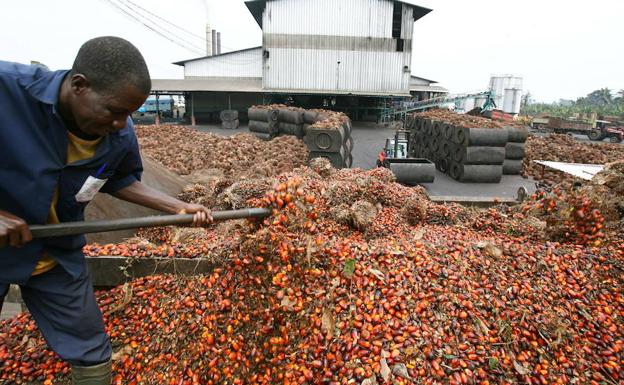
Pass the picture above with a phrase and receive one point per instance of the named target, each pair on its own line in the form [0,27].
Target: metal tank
[500,83]
[508,100]
[517,101]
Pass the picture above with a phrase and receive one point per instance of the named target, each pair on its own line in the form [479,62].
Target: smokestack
[209,43]
[214,41]
[218,43]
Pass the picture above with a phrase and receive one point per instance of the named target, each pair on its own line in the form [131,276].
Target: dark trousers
[68,316]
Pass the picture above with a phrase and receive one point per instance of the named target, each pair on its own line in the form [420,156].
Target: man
[66,135]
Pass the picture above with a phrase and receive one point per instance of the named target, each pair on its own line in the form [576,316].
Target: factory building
[352,55]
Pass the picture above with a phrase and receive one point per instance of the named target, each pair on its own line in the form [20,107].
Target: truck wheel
[615,139]
[594,135]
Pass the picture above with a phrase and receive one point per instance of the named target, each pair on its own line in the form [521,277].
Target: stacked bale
[330,137]
[327,134]
[229,119]
[467,154]
[515,150]
[264,120]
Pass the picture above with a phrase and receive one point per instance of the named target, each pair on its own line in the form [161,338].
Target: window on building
[397,18]
[399,45]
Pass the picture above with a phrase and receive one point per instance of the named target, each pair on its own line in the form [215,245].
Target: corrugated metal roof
[334,92]
[437,89]
[427,80]
[215,85]
[182,62]
[243,85]
[256,7]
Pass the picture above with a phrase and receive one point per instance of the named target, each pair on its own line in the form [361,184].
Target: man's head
[108,81]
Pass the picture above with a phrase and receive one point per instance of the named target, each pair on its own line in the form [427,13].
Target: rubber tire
[336,159]
[409,122]
[595,135]
[322,140]
[514,150]
[438,129]
[517,134]
[443,165]
[479,155]
[292,117]
[310,117]
[258,126]
[512,167]
[230,125]
[291,129]
[262,115]
[228,115]
[481,136]
[349,161]
[476,173]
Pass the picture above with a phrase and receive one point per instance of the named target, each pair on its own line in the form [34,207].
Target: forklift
[396,156]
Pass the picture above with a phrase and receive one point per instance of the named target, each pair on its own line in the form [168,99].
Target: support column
[157,110]
[192,109]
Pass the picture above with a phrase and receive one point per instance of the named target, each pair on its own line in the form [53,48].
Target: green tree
[601,97]
[600,101]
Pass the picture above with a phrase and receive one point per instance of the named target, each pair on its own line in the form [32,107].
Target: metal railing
[392,114]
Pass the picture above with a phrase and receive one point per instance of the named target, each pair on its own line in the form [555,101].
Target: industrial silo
[500,83]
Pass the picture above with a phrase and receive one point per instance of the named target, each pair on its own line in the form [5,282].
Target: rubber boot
[92,375]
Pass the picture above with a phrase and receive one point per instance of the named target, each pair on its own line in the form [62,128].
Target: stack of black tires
[264,121]
[229,119]
[327,134]
[474,155]
[515,150]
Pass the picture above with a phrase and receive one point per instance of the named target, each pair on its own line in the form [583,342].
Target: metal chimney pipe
[209,50]
[214,42]
[218,43]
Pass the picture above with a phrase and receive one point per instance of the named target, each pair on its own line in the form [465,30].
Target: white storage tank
[500,83]
[508,100]
[517,101]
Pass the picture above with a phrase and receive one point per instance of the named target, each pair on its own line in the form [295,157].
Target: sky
[563,49]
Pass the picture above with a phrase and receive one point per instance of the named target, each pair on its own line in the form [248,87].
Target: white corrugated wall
[343,23]
[245,64]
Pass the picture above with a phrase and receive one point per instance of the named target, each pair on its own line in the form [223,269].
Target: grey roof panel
[256,7]
[246,85]
[182,62]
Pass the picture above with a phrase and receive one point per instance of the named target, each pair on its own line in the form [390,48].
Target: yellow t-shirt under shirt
[77,149]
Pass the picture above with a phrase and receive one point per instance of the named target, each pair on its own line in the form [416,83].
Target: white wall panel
[339,18]
[245,64]
[349,23]
[299,69]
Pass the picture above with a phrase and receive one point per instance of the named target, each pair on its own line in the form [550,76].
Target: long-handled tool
[75,228]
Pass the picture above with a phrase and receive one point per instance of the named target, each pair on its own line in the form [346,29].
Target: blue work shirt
[33,155]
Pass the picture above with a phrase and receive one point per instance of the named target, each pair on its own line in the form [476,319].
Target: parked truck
[594,129]
[165,106]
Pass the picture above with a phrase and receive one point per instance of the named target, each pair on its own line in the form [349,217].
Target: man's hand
[202,214]
[146,196]
[13,230]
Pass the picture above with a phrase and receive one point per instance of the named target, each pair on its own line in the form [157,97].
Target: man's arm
[146,196]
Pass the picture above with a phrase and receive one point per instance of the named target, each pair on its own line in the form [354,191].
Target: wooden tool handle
[75,228]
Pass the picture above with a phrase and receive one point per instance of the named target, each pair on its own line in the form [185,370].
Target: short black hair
[109,62]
